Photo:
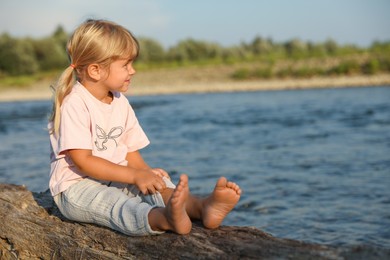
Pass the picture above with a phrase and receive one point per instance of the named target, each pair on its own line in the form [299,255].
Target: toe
[222,182]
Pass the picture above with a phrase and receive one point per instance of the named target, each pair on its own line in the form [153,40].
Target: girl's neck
[99,92]
[109,98]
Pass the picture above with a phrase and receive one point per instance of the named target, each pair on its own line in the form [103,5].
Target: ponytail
[61,89]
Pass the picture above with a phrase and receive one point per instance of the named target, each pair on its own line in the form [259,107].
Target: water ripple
[314,165]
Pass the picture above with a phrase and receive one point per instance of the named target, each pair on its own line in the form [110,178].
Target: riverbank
[201,80]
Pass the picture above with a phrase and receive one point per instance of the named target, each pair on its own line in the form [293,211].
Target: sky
[226,22]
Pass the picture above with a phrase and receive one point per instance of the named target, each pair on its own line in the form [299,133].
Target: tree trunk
[32,228]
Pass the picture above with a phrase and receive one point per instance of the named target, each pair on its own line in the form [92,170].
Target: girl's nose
[131,69]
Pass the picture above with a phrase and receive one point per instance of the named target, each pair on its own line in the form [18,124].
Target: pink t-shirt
[109,130]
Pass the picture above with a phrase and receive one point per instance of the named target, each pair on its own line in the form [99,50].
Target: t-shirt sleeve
[136,138]
[75,130]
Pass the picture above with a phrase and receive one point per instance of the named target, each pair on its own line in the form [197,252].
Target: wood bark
[32,228]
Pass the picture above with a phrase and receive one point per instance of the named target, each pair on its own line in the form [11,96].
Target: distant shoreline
[146,84]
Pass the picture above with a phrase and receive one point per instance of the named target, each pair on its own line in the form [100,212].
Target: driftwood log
[32,228]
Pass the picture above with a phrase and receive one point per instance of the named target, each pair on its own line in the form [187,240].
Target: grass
[219,71]
[26,81]
[308,68]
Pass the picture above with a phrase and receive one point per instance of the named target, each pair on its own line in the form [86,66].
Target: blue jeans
[121,207]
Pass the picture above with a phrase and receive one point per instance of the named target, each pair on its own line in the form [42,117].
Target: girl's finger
[163,173]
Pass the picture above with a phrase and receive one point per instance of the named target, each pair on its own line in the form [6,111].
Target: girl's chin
[125,87]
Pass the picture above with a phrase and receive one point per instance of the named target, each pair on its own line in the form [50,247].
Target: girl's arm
[136,161]
[145,178]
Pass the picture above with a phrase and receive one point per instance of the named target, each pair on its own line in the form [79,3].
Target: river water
[314,165]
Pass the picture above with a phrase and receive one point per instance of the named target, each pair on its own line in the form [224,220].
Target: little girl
[97,173]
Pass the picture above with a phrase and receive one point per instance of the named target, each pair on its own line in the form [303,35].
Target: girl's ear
[94,71]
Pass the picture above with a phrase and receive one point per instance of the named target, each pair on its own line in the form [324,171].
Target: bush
[193,50]
[345,68]
[371,67]
[150,51]
[243,73]
[283,73]
[50,54]
[234,54]
[27,56]
[265,73]
[384,64]
[17,56]
[295,48]
[306,72]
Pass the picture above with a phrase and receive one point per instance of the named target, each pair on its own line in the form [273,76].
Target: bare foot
[175,211]
[223,199]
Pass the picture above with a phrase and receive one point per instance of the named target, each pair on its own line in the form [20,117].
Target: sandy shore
[174,81]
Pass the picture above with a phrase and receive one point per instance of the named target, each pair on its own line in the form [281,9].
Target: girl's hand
[149,181]
[162,173]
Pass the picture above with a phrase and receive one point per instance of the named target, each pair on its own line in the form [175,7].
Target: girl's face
[119,75]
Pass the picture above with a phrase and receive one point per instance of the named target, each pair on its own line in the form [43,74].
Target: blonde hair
[95,41]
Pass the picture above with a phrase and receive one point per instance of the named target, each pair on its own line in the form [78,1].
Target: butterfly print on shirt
[103,137]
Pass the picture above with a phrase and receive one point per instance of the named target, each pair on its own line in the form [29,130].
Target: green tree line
[27,56]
